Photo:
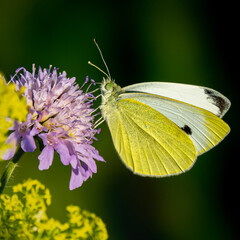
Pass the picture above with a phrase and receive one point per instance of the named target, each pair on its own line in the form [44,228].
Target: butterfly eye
[108,86]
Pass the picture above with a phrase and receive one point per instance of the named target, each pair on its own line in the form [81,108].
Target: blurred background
[183,41]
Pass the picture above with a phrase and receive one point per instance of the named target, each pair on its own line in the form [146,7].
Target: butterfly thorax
[110,92]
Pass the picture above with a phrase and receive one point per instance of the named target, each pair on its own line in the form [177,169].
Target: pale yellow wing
[204,128]
[149,143]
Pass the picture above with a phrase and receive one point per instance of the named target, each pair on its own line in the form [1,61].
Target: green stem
[10,168]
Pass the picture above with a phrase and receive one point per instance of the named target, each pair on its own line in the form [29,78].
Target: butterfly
[160,128]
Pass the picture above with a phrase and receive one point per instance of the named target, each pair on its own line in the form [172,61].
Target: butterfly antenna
[90,63]
[95,41]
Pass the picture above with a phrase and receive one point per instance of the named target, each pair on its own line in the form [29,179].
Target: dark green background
[177,41]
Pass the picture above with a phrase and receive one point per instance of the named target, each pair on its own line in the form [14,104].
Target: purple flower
[24,132]
[61,115]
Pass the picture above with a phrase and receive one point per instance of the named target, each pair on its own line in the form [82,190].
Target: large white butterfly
[159,128]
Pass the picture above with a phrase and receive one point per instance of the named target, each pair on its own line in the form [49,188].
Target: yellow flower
[12,106]
[23,216]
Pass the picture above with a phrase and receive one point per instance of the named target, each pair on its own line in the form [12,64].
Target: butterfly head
[109,88]
[108,84]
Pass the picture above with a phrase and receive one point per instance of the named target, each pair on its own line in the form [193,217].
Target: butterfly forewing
[201,97]
[148,142]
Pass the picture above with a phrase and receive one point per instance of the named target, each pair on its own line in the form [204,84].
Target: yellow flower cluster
[26,218]
[12,106]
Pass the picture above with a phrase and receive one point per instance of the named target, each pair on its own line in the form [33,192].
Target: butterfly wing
[148,142]
[201,97]
[203,127]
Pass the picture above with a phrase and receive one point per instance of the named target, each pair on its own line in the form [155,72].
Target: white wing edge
[198,96]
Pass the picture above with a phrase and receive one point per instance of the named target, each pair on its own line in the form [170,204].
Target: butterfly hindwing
[148,142]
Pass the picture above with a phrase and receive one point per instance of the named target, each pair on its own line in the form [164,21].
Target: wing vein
[163,140]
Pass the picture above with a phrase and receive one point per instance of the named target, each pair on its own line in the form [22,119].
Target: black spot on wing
[208,92]
[187,129]
[217,101]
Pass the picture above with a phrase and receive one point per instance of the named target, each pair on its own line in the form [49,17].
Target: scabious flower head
[61,115]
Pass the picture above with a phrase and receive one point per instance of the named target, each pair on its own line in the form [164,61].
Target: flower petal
[90,163]
[34,131]
[76,179]
[46,158]
[63,151]
[12,141]
[85,171]
[97,156]
[43,136]
[28,143]
[74,161]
